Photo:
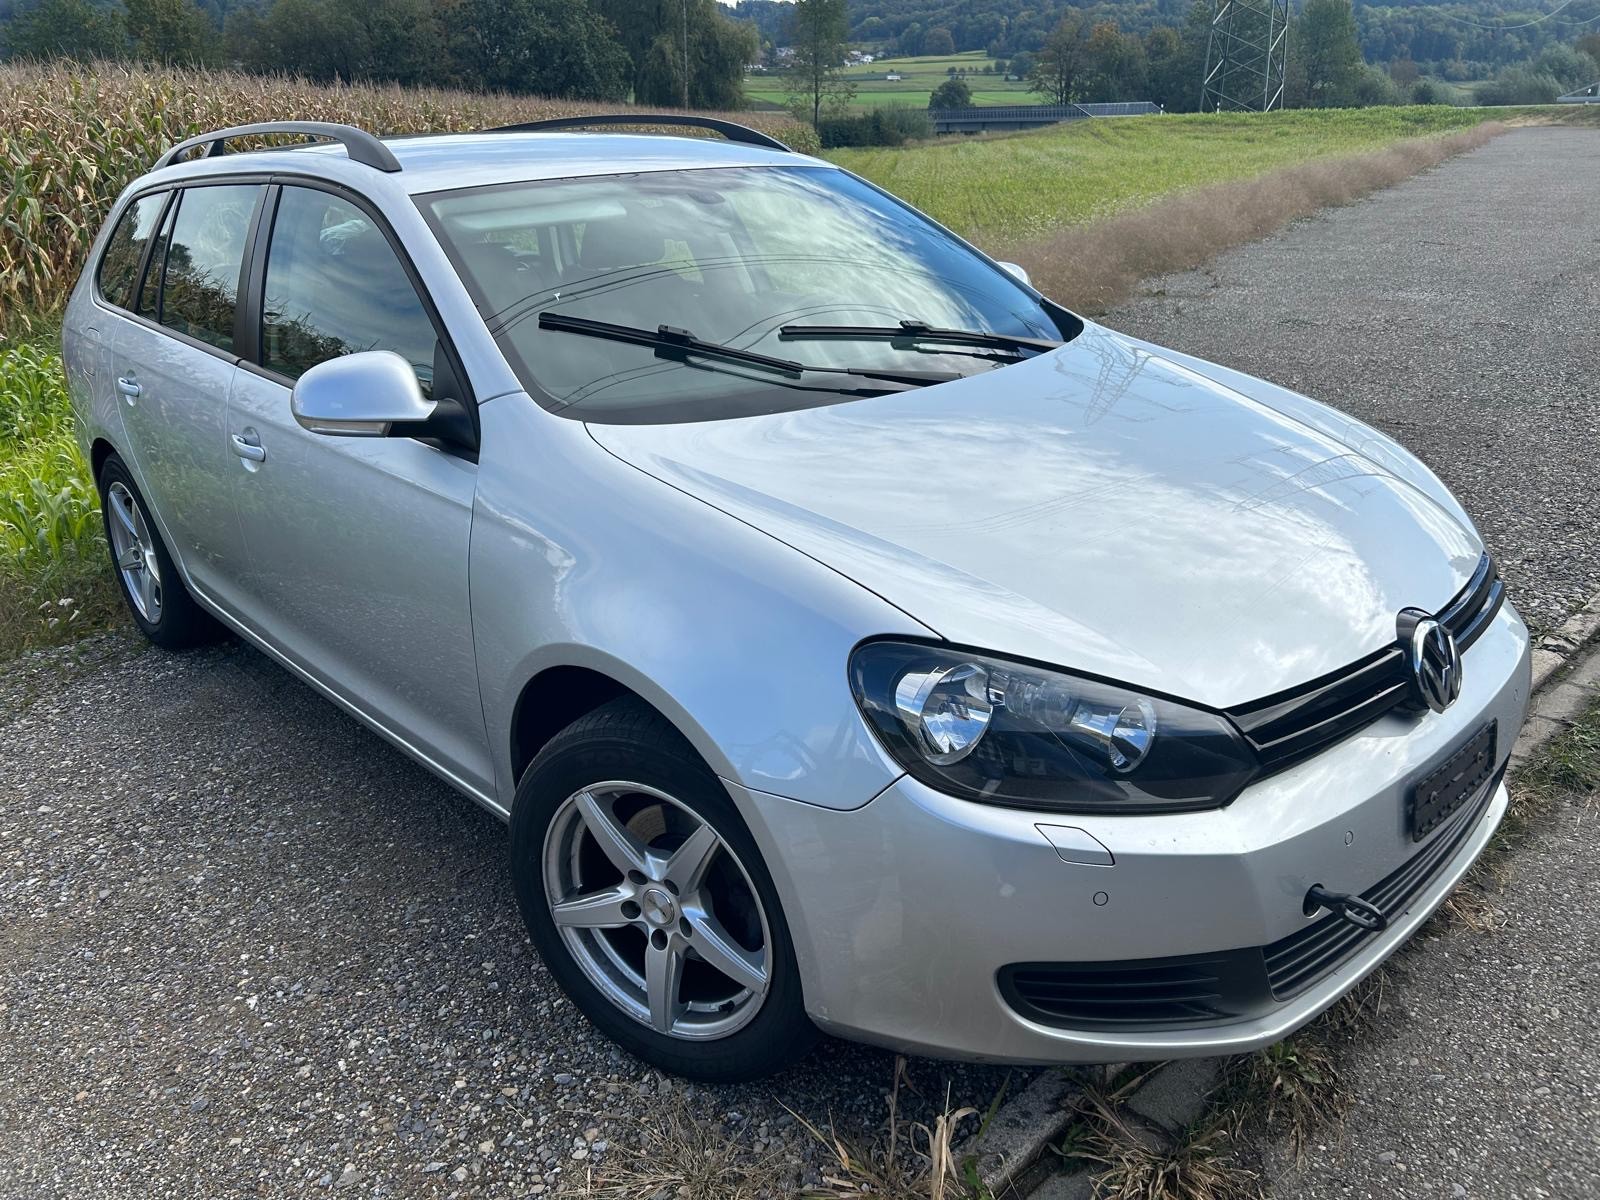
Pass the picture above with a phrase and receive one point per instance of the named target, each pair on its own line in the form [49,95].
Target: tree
[1425,91]
[937,41]
[952,93]
[1325,61]
[175,32]
[1589,43]
[66,29]
[817,32]
[1404,72]
[557,48]
[1059,68]
[1116,68]
[683,52]
[384,40]
[1567,65]
[1519,85]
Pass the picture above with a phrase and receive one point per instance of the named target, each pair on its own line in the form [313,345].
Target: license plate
[1451,785]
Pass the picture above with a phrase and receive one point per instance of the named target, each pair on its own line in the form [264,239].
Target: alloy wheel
[134,552]
[657,910]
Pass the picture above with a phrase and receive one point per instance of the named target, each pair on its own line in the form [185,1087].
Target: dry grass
[678,1155]
[1291,1088]
[681,1157]
[1096,266]
[72,137]
[1129,1164]
[908,1161]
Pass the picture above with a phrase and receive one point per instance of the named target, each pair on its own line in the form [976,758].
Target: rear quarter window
[118,273]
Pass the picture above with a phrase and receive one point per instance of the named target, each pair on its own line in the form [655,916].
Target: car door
[172,360]
[358,546]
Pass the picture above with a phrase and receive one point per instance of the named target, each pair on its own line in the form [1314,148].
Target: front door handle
[250,447]
[128,387]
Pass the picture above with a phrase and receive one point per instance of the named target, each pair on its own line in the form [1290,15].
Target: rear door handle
[246,447]
[128,387]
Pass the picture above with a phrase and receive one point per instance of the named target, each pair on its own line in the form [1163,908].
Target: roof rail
[358,143]
[731,130]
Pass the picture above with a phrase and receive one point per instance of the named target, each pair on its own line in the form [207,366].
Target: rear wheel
[157,599]
[649,902]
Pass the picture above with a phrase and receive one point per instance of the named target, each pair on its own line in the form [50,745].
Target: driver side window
[334,286]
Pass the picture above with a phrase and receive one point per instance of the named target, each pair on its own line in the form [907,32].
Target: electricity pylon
[1245,56]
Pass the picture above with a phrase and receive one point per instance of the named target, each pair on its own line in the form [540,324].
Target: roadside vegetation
[1014,186]
[54,585]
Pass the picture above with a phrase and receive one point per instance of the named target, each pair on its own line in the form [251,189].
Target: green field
[921,76]
[1024,184]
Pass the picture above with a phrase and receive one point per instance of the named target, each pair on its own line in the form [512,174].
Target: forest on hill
[1458,40]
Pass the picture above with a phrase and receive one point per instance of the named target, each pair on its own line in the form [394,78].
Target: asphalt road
[246,949]
[1457,313]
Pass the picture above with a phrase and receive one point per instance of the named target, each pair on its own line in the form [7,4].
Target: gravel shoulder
[250,949]
[1455,312]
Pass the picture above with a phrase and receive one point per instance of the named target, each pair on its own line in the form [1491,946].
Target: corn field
[71,137]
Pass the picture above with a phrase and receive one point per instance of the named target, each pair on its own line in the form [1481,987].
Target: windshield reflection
[733,255]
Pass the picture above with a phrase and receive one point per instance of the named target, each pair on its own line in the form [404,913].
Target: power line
[1526,24]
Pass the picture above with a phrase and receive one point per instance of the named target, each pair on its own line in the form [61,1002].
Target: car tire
[625,771]
[157,599]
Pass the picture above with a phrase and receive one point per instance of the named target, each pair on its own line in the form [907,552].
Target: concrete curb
[1010,1151]
[1017,1138]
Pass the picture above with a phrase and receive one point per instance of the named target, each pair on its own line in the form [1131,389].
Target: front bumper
[905,911]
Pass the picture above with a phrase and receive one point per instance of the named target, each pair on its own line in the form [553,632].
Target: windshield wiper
[920,331]
[670,342]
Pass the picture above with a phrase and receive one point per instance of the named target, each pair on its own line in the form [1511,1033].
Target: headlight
[1007,733]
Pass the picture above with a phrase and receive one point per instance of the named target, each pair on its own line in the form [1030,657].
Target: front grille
[1295,724]
[1170,993]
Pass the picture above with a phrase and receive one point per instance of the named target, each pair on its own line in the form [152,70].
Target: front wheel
[649,902]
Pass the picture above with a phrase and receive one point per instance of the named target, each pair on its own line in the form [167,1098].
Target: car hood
[1103,507]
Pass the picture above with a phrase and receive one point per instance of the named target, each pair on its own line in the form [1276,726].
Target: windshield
[731,255]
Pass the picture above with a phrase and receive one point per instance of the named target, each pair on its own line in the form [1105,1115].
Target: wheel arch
[560,693]
[99,451]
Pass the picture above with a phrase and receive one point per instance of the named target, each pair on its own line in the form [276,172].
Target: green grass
[921,76]
[54,584]
[1025,184]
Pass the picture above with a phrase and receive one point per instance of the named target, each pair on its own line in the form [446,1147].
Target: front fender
[579,559]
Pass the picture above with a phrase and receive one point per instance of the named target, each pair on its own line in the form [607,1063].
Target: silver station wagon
[853,639]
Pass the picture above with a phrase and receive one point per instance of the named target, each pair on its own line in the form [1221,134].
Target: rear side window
[200,285]
[119,265]
[334,286]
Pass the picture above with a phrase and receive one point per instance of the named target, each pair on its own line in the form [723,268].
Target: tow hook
[1353,910]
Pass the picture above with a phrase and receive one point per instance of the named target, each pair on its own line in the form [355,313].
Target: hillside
[1467,39]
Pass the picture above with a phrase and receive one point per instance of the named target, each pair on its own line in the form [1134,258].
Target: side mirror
[359,395]
[1017,273]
